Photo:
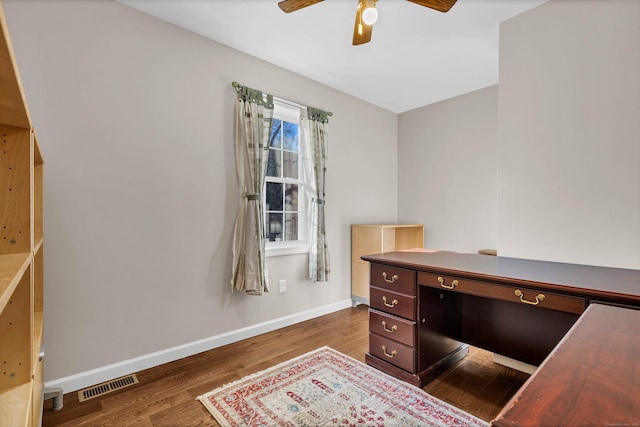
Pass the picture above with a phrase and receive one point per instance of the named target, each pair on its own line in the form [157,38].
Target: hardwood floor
[166,394]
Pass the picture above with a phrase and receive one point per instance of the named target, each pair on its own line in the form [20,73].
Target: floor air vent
[107,387]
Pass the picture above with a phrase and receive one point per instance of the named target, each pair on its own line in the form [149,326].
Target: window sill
[286,249]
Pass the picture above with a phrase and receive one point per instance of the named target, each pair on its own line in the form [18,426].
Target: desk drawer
[393,278]
[392,327]
[393,352]
[516,294]
[393,303]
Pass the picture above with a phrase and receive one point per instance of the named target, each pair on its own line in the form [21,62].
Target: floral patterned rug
[327,388]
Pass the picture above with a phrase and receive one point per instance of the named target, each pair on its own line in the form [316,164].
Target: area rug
[327,388]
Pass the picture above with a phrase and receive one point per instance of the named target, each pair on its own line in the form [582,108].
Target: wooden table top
[592,377]
[613,284]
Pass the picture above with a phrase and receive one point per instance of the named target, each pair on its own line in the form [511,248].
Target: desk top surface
[592,377]
[614,284]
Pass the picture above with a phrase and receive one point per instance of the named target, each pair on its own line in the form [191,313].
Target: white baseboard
[514,364]
[126,367]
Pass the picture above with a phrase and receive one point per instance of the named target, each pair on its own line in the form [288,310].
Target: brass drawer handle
[539,298]
[389,355]
[393,303]
[393,278]
[393,328]
[453,283]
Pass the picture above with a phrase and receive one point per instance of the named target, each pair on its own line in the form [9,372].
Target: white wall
[545,166]
[569,133]
[135,122]
[449,169]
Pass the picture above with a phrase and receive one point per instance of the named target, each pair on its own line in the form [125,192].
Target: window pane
[291,197]
[290,136]
[290,165]
[291,226]
[274,196]
[274,165]
[284,191]
[275,139]
[274,227]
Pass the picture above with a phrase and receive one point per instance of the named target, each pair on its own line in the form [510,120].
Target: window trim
[282,248]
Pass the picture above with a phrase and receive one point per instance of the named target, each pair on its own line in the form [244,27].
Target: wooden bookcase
[369,239]
[21,250]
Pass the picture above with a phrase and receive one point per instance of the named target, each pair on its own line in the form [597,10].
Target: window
[284,200]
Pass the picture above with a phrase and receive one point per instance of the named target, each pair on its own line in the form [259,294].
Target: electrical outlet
[283,286]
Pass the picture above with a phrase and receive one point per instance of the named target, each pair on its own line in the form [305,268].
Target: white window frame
[290,112]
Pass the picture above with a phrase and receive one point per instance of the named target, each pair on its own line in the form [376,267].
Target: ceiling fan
[366,13]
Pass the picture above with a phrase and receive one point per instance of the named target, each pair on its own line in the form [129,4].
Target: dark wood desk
[591,378]
[427,307]
[609,284]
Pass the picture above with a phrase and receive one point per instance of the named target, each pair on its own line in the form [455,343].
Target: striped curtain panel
[254,113]
[314,133]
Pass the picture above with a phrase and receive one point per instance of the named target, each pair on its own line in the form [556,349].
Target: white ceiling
[417,56]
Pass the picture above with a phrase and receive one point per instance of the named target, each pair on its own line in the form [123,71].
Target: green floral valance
[318,115]
[255,96]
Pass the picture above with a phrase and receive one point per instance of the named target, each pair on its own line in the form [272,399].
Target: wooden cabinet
[368,239]
[392,316]
[21,251]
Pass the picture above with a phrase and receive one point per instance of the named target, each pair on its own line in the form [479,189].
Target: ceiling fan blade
[440,5]
[293,5]
[361,31]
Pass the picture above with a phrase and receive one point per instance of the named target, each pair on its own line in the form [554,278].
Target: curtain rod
[238,86]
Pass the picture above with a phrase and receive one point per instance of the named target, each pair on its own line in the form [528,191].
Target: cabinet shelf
[12,268]
[21,250]
[369,239]
[15,404]
[37,244]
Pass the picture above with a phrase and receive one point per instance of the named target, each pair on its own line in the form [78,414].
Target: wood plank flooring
[165,395]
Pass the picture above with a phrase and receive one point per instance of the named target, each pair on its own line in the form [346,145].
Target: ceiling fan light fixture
[370,15]
[366,13]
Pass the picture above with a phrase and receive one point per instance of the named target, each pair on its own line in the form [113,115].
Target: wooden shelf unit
[21,250]
[369,239]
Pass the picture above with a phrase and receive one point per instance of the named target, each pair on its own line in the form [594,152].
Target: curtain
[254,114]
[314,131]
